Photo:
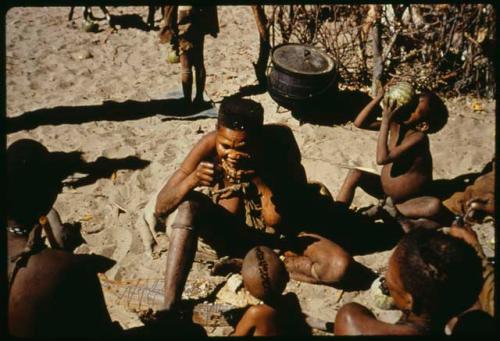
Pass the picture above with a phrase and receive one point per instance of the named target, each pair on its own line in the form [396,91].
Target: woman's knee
[188,213]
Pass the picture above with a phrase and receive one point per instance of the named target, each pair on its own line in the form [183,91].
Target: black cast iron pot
[300,75]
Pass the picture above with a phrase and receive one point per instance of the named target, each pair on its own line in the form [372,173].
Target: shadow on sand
[65,164]
[108,111]
[335,107]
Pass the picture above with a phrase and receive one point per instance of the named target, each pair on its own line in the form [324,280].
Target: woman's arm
[194,171]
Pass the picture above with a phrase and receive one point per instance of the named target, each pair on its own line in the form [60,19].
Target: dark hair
[442,273]
[437,117]
[31,189]
[240,114]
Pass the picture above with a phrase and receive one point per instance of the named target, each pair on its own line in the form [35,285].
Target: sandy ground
[52,63]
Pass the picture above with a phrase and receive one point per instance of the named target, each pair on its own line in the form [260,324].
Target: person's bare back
[57,294]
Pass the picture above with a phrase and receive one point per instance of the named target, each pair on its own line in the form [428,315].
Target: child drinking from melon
[403,150]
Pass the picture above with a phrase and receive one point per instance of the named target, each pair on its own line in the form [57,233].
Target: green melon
[381,300]
[172,57]
[90,26]
[402,93]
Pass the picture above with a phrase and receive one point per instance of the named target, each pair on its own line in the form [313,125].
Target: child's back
[265,277]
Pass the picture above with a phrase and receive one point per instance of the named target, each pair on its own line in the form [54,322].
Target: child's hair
[30,186]
[442,273]
[264,274]
[437,117]
[240,114]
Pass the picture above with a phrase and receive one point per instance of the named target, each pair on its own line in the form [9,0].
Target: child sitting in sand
[403,150]
[431,276]
[265,277]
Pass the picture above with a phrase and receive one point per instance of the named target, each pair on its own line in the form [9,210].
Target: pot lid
[302,59]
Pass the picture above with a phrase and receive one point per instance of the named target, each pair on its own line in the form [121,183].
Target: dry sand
[51,63]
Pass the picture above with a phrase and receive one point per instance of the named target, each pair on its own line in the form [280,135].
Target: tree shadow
[334,108]
[108,111]
[65,164]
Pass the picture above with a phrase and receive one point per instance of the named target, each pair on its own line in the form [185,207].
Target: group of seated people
[242,192]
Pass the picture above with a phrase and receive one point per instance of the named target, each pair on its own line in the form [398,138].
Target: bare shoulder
[62,263]
[206,144]
[208,138]
[261,311]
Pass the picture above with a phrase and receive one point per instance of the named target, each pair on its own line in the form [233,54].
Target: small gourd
[381,299]
[401,93]
[90,26]
[173,57]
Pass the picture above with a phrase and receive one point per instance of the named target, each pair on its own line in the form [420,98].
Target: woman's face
[235,150]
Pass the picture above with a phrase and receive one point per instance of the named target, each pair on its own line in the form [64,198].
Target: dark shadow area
[108,111]
[334,107]
[129,21]
[98,263]
[444,188]
[65,164]
[354,232]
[75,238]
[250,90]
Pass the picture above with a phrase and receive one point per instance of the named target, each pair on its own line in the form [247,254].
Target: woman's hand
[204,174]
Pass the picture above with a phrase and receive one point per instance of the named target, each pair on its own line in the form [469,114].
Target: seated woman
[431,276]
[241,185]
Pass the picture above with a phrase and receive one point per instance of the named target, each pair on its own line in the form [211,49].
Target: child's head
[434,274]
[264,274]
[31,187]
[430,114]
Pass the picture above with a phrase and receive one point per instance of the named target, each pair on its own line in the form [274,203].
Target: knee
[332,271]
[187,213]
[354,175]
[433,206]
[340,267]
[346,317]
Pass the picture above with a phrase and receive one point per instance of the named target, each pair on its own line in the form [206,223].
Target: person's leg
[197,217]
[186,76]
[199,68]
[369,182]
[424,212]
[324,262]
[181,251]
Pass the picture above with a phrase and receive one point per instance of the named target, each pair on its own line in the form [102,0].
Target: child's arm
[364,120]
[355,319]
[384,155]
